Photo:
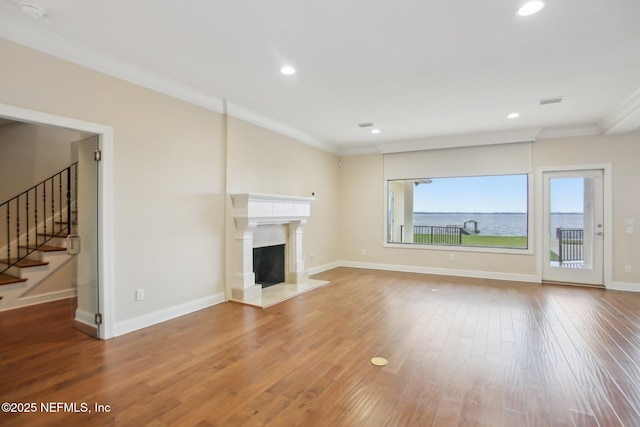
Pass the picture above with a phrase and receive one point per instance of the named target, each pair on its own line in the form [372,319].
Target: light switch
[630,229]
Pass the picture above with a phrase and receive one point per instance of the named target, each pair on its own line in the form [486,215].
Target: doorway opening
[92,273]
[574,227]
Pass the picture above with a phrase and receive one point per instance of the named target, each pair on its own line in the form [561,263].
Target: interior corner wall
[30,154]
[262,161]
[168,179]
[362,211]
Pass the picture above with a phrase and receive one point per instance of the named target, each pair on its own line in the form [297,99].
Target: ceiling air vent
[551,100]
[365,125]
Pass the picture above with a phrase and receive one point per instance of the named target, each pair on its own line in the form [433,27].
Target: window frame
[531,241]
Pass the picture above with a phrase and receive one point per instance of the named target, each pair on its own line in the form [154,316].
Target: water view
[496,224]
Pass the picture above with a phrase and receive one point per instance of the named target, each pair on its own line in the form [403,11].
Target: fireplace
[263,220]
[268,265]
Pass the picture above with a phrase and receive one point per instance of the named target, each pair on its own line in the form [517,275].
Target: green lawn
[495,241]
[488,241]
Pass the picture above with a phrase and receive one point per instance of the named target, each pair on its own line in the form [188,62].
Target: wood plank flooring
[462,352]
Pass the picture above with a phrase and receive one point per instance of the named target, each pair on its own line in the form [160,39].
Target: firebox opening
[268,265]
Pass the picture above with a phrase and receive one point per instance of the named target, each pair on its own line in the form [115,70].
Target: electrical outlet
[364,251]
[139,294]
[452,257]
[627,269]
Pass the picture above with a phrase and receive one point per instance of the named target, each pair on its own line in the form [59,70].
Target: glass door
[573,244]
[86,233]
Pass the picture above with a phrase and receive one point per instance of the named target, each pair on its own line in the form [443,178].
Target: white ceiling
[416,69]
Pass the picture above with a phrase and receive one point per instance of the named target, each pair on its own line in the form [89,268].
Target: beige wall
[262,161]
[363,213]
[362,210]
[623,153]
[175,162]
[30,154]
[168,188]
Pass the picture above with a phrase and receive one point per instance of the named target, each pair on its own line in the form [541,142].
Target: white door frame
[105,201]
[607,188]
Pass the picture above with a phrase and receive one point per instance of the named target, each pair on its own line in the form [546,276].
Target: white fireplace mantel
[251,210]
[270,209]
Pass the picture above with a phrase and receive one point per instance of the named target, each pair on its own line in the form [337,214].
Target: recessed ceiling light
[513,116]
[36,12]
[530,8]
[375,130]
[288,70]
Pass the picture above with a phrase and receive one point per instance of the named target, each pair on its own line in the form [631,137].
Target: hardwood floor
[461,352]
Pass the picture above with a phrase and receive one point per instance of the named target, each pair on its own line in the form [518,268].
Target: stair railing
[36,216]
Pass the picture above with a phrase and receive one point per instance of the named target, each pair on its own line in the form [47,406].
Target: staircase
[33,236]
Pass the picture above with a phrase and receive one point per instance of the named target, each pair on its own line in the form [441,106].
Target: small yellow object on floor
[379,361]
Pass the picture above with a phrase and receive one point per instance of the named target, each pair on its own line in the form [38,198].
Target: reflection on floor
[282,292]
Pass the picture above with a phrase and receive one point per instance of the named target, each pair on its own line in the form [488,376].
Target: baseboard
[86,318]
[146,320]
[85,322]
[321,268]
[46,297]
[624,286]
[529,278]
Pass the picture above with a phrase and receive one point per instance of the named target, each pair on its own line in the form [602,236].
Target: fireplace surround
[265,220]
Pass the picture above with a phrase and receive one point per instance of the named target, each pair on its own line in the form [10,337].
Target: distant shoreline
[495,223]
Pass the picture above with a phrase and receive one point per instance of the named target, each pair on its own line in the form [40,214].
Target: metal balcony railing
[570,244]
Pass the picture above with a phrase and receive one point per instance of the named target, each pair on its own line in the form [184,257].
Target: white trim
[495,275]
[465,140]
[624,286]
[86,318]
[60,47]
[243,113]
[42,298]
[531,240]
[322,268]
[624,118]
[568,131]
[360,150]
[146,320]
[105,227]
[528,278]
[607,187]
[457,248]
[65,49]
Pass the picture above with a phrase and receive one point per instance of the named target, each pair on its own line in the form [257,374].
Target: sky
[567,194]
[506,193]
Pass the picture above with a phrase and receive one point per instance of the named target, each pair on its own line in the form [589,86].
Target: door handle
[73,244]
[598,233]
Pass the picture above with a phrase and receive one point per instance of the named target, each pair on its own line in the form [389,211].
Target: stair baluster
[12,251]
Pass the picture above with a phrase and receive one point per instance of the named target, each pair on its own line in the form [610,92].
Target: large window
[476,211]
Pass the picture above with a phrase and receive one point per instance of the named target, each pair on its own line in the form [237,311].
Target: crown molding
[357,151]
[624,118]
[464,140]
[568,131]
[246,114]
[62,48]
